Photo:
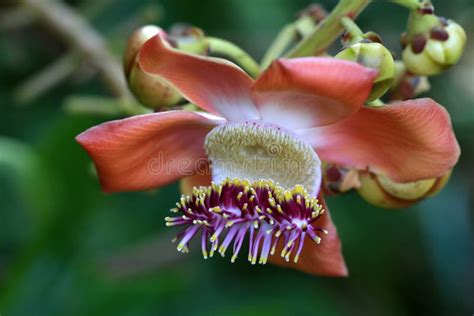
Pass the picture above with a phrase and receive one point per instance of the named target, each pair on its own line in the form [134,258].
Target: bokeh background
[68,249]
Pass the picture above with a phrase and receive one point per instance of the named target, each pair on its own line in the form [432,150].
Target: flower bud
[383,192]
[189,39]
[376,56]
[150,90]
[432,44]
[406,85]
[135,42]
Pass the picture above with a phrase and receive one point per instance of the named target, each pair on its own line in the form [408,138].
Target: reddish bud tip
[418,43]
[439,33]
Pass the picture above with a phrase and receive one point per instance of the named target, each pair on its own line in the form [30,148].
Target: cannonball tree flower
[264,140]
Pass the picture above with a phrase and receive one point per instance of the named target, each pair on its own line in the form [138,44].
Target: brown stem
[70,26]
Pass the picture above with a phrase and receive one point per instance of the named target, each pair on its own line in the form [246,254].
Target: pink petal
[148,151]
[310,92]
[323,259]
[406,141]
[216,85]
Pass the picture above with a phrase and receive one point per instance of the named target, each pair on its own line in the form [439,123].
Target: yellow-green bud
[383,192]
[151,91]
[135,42]
[432,44]
[375,56]
[407,85]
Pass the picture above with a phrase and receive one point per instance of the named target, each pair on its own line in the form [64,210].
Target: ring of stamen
[264,211]
[254,150]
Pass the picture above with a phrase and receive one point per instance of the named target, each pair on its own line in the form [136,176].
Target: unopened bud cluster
[431,44]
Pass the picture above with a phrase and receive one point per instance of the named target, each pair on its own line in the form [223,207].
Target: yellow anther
[295,259]
[279,209]
[216,209]
[222,250]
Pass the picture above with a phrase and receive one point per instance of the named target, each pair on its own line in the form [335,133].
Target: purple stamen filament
[262,210]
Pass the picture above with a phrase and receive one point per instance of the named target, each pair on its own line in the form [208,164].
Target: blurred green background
[68,249]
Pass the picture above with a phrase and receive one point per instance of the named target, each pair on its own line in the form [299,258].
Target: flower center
[254,151]
[262,210]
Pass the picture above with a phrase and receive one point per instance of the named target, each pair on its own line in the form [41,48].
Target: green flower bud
[432,44]
[376,56]
[383,192]
[150,90]
[135,42]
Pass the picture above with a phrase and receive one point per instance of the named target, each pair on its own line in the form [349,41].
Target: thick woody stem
[328,30]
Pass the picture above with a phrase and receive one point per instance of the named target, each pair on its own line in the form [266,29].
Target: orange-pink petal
[406,141]
[312,91]
[148,151]
[216,85]
[324,259]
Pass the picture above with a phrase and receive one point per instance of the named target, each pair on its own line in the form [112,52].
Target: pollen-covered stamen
[264,211]
[254,149]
